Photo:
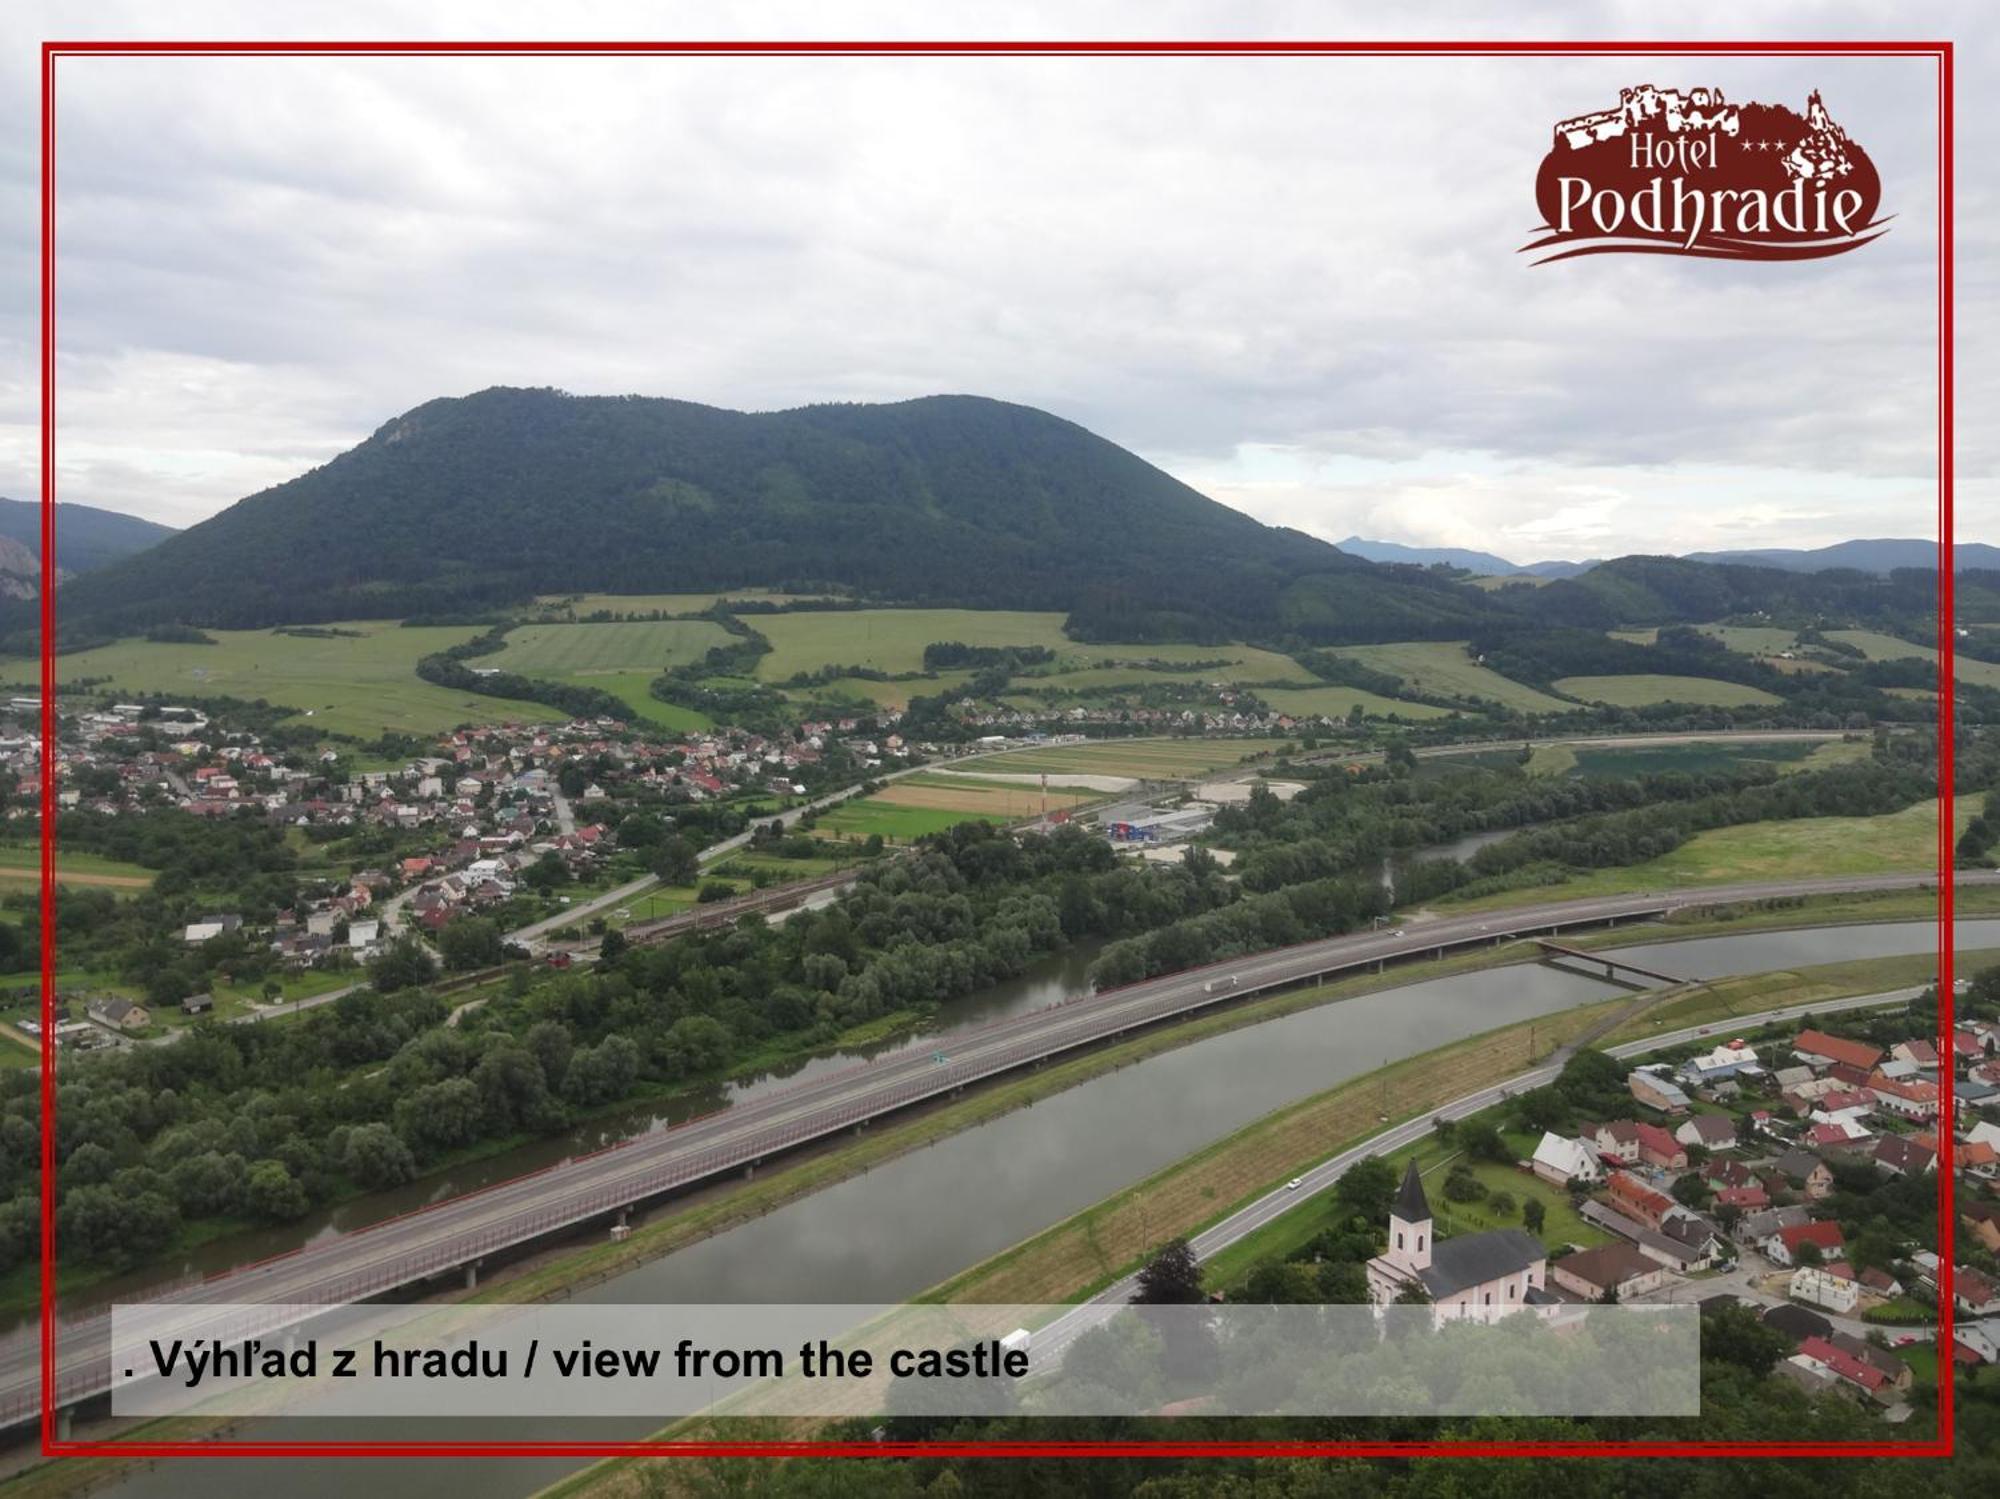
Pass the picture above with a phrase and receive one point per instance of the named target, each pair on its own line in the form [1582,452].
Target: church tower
[1410,1225]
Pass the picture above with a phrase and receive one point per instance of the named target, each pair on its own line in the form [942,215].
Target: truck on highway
[1219,986]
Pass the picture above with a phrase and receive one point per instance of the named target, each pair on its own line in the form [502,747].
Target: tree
[1734,1334]
[1172,1277]
[1808,1253]
[612,945]
[470,942]
[1366,1189]
[1533,1214]
[675,862]
[376,1157]
[270,1191]
[405,965]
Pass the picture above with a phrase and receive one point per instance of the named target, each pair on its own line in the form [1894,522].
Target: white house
[1563,1161]
[1821,1287]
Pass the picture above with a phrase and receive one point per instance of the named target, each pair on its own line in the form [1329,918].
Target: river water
[908,1224]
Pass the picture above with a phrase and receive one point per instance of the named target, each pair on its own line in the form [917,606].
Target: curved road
[460,1231]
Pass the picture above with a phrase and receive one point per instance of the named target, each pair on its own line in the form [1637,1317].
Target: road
[460,1231]
[531,934]
[1050,1341]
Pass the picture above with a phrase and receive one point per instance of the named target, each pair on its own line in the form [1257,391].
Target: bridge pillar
[65,1421]
[624,1216]
[750,1171]
[472,1275]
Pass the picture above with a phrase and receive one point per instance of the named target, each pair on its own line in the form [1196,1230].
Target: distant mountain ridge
[1479,564]
[87,537]
[1877,556]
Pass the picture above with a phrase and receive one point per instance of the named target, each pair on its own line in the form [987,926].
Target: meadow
[891,640]
[1143,759]
[1644,690]
[1899,842]
[1443,668]
[362,684]
[23,863]
[1338,702]
[583,651]
[1879,647]
[920,804]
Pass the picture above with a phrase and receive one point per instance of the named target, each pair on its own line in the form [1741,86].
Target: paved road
[1050,1341]
[531,934]
[462,1230]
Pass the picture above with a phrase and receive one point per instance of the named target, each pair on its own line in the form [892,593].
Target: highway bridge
[454,1237]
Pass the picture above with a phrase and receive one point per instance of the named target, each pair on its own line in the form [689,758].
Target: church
[1500,1268]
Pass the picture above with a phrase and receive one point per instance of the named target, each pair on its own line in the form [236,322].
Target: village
[1744,1175]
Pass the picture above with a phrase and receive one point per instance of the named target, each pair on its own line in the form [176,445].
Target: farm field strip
[361,684]
[1143,759]
[1445,669]
[582,651]
[1643,690]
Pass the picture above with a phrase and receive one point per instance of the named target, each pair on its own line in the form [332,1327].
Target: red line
[48,787]
[1940,1448]
[1947,713]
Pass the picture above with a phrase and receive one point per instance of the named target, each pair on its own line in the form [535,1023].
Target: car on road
[1295,1183]
[1219,986]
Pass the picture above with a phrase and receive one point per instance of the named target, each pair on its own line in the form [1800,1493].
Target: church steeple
[1410,1224]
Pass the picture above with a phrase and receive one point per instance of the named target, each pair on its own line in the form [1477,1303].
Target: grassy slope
[1442,668]
[1641,691]
[583,651]
[1337,702]
[891,640]
[1904,841]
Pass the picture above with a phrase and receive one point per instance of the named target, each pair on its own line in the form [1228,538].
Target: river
[908,1224]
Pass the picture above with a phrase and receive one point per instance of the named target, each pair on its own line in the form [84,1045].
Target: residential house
[1610,1272]
[1658,1148]
[1657,1092]
[1784,1246]
[1825,1286]
[1855,1374]
[1562,1161]
[1820,1051]
[1899,1155]
[1807,1172]
[1710,1131]
[1636,1200]
[120,1013]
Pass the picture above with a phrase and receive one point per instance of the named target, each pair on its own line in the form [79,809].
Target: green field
[890,640]
[357,685]
[1144,759]
[1442,668]
[1900,842]
[1338,702]
[1644,690]
[661,603]
[1879,647]
[583,651]
[23,862]
[1753,640]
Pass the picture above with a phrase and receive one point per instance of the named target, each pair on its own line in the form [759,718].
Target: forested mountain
[86,537]
[470,503]
[1878,556]
[948,499]
[1480,564]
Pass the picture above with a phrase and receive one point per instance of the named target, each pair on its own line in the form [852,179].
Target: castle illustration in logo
[1670,171]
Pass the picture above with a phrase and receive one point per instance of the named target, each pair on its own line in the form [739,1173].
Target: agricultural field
[1338,702]
[866,692]
[921,804]
[1753,640]
[890,640]
[22,864]
[1788,755]
[1442,668]
[359,685]
[583,651]
[1879,647]
[661,603]
[1142,759]
[1644,690]
[1904,842]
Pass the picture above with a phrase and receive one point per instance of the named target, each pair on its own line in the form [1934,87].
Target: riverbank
[1302,1077]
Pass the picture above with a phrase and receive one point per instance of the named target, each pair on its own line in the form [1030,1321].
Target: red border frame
[1942,51]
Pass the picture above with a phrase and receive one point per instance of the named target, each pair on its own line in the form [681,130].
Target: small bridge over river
[1612,964]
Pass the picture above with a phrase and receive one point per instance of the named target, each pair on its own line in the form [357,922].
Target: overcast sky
[1293,283]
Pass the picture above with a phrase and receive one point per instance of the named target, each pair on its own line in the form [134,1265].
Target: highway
[461,1231]
[1051,1340]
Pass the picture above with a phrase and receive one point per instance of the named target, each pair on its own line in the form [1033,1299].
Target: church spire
[1411,1205]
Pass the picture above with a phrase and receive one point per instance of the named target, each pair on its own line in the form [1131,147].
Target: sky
[1292,283]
